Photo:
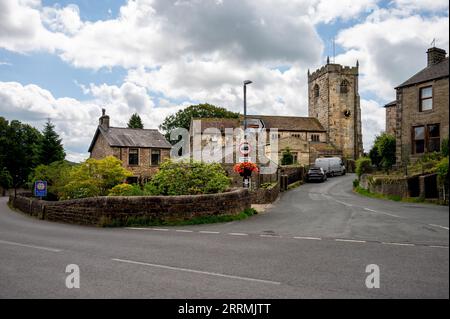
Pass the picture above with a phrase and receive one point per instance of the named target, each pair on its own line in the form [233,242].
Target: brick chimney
[435,55]
[103,121]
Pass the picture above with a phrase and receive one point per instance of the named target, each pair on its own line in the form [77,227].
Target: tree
[19,149]
[135,121]
[444,146]
[382,153]
[287,157]
[51,149]
[56,174]
[363,166]
[182,119]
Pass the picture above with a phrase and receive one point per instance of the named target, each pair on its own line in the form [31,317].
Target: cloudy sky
[66,59]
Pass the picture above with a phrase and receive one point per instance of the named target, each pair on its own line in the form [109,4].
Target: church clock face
[347,113]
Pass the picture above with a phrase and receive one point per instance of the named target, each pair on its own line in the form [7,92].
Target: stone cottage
[419,116]
[140,150]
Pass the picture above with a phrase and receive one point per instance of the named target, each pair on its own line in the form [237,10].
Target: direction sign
[40,188]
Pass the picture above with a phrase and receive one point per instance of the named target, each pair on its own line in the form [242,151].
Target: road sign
[244,148]
[40,188]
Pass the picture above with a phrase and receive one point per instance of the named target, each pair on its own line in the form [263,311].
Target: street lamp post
[245,106]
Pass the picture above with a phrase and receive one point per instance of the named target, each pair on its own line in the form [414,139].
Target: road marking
[308,238]
[438,226]
[197,271]
[237,234]
[343,203]
[160,229]
[398,244]
[183,231]
[351,240]
[208,232]
[137,228]
[271,236]
[384,213]
[435,246]
[30,246]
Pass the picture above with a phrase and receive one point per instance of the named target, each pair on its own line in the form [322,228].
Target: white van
[332,166]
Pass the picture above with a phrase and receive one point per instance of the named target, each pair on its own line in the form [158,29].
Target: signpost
[244,149]
[40,189]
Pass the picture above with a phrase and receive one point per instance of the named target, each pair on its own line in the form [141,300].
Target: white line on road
[197,271]
[208,232]
[30,246]
[160,229]
[308,238]
[435,246]
[237,234]
[438,226]
[343,203]
[270,236]
[351,240]
[398,244]
[184,231]
[384,213]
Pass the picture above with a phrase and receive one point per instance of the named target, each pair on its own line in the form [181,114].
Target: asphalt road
[314,242]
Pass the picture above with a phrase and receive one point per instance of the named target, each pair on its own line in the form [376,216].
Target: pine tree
[135,121]
[51,149]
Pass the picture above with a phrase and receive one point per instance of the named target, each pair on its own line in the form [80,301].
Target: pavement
[316,241]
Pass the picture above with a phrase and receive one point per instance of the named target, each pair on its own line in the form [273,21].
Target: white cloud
[76,121]
[373,118]
[66,20]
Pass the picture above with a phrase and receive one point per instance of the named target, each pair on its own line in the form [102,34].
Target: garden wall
[385,185]
[265,195]
[107,210]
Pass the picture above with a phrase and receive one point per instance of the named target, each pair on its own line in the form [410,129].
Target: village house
[419,116]
[140,150]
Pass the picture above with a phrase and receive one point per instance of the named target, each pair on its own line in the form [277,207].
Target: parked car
[316,174]
[332,166]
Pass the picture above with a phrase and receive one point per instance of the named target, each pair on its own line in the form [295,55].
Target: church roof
[282,123]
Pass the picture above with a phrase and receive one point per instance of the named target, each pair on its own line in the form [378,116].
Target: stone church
[334,100]
[333,127]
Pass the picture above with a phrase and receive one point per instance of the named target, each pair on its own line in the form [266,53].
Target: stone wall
[265,195]
[385,185]
[117,210]
[391,119]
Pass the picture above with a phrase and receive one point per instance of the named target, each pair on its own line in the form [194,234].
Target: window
[156,157]
[294,158]
[426,139]
[315,138]
[316,90]
[295,135]
[426,99]
[434,140]
[133,156]
[344,86]
[418,139]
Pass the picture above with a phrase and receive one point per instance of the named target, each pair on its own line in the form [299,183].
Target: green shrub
[267,185]
[363,166]
[287,157]
[355,183]
[126,190]
[442,171]
[94,178]
[56,174]
[444,146]
[188,178]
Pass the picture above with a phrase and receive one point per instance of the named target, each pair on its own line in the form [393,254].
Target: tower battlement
[333,68]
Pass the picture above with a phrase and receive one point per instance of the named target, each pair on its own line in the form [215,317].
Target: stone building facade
[140,150]
[391,118]
[421,109]
[333,99]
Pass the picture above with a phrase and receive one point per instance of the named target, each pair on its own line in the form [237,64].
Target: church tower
[333,99]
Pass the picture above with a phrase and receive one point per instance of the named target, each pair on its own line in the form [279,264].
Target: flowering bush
[246,168]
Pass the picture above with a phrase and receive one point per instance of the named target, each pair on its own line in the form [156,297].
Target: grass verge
[295,185]
[148,221]
[396,198]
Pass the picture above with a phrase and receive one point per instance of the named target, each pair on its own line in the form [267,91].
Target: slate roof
[432,72]
[283,123]
[129,137]
[393,103]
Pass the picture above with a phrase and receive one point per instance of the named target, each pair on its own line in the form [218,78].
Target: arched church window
[316,90]
[344,86]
